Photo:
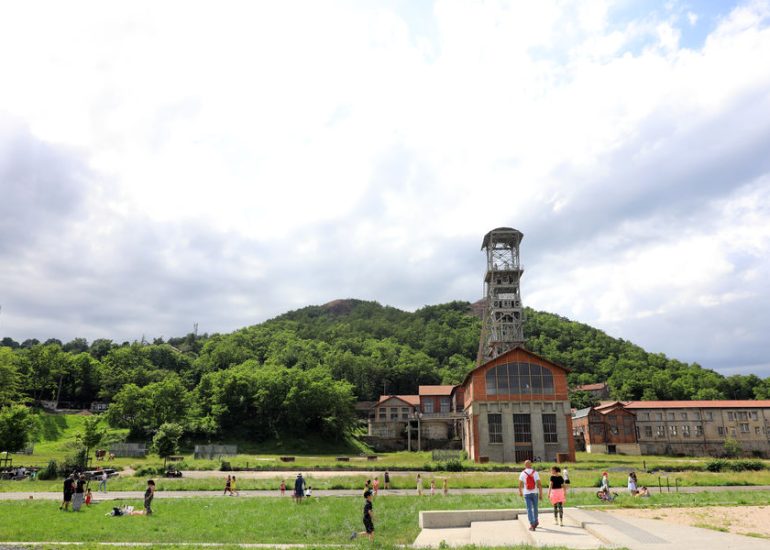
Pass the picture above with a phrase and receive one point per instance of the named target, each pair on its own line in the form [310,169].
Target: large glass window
[427,406]
[495,422]
[519,378]
[445,404]
[522,428]
[549,428]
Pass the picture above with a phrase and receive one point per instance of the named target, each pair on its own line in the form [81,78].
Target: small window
[648,431]
[720,430]
[754,415]
[730,415]
[708,415]
[658,416]
[672,429]
[757,431]
[383,413]
[672,416]
[699,430]
[684,416]
[405,413]
[744,428]
[660,431]
[696,415]
[427,406]
[645,416]
[394,413]
[686,431]
[445,404]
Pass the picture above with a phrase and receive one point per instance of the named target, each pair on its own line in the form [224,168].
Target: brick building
[608,428]
[516,408]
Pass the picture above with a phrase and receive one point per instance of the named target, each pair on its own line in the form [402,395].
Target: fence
[129,449]
[215,451]
[444,454]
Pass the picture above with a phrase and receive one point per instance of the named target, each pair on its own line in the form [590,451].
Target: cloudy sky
[170,163]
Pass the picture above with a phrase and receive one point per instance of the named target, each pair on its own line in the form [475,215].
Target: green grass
[278,520]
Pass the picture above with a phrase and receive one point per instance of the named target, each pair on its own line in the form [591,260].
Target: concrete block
[443,519]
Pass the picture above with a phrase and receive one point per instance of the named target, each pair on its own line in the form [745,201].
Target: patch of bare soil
[741,520]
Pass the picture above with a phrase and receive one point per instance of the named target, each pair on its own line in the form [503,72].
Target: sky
[164,164]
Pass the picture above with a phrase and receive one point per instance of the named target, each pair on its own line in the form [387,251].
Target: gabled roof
[515,348]
[592,387]
[411,400]
[604,405]
[716,404]
[435,390]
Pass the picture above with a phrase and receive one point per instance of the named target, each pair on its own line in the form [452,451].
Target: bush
[454,465]
[51,471]
[142,471]
[716,465]
[77,461]
[747,465]
[225,466]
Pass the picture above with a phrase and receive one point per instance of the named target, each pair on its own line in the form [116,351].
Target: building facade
[608,428]
[516,408]
[429,420]
[700,428]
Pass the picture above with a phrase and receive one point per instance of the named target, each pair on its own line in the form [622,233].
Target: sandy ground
[742,520]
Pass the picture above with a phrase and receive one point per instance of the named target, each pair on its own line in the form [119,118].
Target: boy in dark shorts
[148,496]
[368,518]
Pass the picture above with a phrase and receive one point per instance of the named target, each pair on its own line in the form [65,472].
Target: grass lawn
[279,520]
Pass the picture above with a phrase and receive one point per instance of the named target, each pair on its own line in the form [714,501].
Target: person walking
[149,494]
[368,518]
[565,475]
[530,489]
[376,486]
[419,485]
[446,487]
[80,489]
[557,495]
[233,488]
[69,488]
[387,479]
[299,489]
[103,482]
[283,487]
[228,486]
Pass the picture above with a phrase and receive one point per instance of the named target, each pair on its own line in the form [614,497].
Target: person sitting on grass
[642,492]
[368,519]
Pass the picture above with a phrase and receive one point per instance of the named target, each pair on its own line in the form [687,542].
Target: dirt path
[741,520]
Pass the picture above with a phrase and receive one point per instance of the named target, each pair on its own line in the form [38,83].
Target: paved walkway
[119,495]
[587,529]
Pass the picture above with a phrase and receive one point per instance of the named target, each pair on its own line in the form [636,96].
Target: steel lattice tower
[503,322]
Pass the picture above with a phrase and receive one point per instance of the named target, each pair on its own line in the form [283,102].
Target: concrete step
[452,536]
[498,533]
[548,533]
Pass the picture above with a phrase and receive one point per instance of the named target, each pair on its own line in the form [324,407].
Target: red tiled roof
[409,399]
[435,390]
[592,387]
[716,404]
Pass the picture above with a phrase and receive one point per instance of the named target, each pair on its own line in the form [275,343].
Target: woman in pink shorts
[557,495]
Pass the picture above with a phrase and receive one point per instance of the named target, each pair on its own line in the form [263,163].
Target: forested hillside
[302,371]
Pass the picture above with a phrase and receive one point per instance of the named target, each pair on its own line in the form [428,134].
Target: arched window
[518,379]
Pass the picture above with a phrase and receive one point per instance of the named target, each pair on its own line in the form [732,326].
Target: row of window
[519,378]
[674,430]
[522,428]
[427,407]
[695,415]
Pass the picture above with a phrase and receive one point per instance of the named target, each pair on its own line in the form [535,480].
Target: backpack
[530,482]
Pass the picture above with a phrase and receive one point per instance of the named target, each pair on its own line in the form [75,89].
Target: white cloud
[357,138]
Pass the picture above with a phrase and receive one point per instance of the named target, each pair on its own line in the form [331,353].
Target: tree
[9,342]
[91,435]
[580,399]
[17,428]
[732,448]
[77,345]
[166,441]
[9,378]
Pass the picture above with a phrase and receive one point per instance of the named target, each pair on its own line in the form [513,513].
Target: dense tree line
[302,371]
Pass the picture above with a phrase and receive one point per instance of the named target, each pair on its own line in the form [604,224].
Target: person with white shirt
[531,489]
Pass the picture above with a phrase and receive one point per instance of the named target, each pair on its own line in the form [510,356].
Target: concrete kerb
[447,519]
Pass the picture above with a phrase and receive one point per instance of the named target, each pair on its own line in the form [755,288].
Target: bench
[343,459]
[287,459]
[175,458]
[371,457]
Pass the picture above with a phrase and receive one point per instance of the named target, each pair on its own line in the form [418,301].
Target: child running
[88,497]
[557,495]
[283,487]
[376,486]
[368,518]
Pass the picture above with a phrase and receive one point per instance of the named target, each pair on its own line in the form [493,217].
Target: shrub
[142,471]
[51,471]
[454,465]
[747,465]
[716,465]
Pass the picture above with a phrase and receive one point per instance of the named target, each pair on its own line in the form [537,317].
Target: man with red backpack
[530,488]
